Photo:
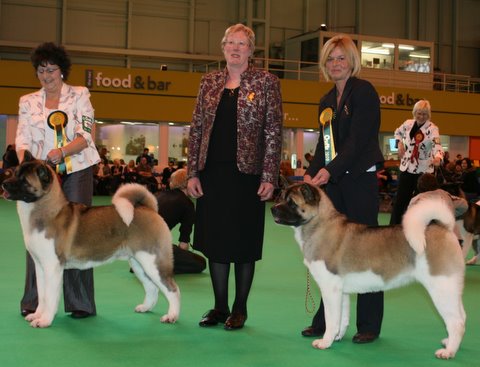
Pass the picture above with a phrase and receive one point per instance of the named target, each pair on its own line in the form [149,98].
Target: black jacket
[356,125]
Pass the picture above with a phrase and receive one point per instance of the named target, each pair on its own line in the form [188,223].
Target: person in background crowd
[73,153]
[147,156]
[102,179]
[167,172]
[130,172]
[116,172]
[308,159]
[419,150]
[10,159]
[469,180]
[103,156]
[234,155]
[145,175]
[446,158]
[349,116]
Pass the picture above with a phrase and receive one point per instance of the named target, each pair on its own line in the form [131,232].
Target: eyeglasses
[339,59]
[48,70]
[240,44]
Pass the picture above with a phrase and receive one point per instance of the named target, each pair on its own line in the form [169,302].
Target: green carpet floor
[119,337]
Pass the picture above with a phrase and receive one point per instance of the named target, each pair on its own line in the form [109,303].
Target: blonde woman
[345,160]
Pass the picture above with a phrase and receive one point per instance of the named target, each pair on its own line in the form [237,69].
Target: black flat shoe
[213,317]
[235,321]
[24,312]
[80,314]
[364,338]
[311,332]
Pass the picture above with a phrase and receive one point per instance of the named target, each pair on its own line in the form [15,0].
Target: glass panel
[414,58]
[127,140]
[309,52]
[377,55]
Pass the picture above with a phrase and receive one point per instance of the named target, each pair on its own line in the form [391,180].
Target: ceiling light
[419,56]
[366,50]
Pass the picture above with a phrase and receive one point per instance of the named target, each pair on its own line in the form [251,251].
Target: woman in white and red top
[420,151]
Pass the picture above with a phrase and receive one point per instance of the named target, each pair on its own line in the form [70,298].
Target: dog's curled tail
[424,208]
[128,196]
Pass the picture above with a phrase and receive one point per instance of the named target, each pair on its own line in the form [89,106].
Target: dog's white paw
[142,308]
[444,342]
[32,316]
[40,323]
[321,343]
[169,319]
[444,354]
[339,337]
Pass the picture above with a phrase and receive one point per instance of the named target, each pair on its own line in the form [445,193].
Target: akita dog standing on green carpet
[60,235]
[346,257]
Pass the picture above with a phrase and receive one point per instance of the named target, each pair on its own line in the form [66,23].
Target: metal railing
[284,69]
[302,70]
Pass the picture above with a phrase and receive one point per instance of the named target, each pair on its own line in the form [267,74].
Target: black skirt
[230,217]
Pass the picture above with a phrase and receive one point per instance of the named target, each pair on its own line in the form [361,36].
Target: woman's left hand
[265,191]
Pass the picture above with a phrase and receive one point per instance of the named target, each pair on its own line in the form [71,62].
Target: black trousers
[358,199]
[78,291]
[407,188]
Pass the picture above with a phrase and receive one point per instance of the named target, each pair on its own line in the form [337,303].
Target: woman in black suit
[345,160]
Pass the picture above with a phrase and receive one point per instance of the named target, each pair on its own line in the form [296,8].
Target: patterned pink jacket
[259,123]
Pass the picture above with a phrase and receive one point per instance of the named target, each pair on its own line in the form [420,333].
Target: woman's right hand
[194,187]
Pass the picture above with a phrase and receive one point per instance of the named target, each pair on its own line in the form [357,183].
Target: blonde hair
[239,27]
[178,179]
[346,44]
[422,105]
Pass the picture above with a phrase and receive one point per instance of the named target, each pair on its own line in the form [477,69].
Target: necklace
[231,91]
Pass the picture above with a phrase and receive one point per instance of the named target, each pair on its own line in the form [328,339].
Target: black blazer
[356,124]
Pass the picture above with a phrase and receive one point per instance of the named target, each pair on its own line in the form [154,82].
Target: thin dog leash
[309,297]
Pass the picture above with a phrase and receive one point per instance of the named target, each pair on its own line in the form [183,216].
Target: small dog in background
[62,235]
[470,231]
[467,214]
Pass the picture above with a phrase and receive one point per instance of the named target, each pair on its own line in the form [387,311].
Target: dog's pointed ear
[44,174]
[27,156]
[309,193]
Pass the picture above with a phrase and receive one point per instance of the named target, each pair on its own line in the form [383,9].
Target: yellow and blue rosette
[57,120]
[326,118]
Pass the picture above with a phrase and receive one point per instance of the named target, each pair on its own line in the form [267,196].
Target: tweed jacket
[33,133]
[428,149]
[259,123]
[356,123]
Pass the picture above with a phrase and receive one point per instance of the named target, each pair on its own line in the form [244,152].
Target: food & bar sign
[95,80]
[398,99]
